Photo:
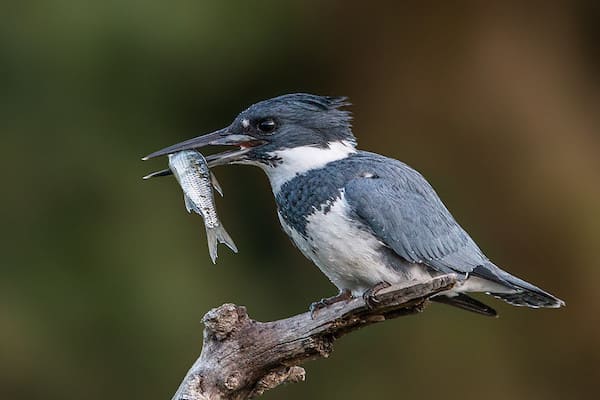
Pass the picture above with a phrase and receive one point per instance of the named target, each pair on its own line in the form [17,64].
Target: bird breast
[343,248]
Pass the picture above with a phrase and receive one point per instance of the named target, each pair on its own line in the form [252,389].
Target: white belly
[351,257]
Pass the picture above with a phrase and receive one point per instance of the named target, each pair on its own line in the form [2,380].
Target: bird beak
[222,137]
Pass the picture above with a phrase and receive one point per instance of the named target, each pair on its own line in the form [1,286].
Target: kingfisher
[367,221]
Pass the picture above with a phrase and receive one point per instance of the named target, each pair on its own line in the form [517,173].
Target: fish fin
[217,235]
[215,184]
[190,206]
[162,172]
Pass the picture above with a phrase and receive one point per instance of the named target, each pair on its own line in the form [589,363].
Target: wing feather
[406,214]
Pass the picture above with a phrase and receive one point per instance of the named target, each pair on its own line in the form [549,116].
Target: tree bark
[242,358]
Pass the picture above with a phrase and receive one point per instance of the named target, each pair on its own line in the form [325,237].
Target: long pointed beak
[220,137]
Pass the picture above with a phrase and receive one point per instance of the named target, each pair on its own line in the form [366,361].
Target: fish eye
[266,125]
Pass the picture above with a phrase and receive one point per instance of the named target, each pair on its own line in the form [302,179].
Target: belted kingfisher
[366,220]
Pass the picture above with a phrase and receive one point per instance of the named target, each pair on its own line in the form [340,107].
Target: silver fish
[167,172]
[191,171]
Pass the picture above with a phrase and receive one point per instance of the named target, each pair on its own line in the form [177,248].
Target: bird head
[285,136]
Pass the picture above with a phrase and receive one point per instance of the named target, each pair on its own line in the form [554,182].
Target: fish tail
[217,235]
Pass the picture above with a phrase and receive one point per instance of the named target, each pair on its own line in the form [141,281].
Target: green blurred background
[104,277]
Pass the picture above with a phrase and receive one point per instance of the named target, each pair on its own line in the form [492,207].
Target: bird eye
[266,125]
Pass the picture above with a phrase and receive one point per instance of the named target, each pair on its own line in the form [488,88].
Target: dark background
[104,277]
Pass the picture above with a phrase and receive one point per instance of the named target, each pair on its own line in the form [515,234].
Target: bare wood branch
[242,358]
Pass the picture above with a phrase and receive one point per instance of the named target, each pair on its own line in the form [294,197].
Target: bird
[365,220]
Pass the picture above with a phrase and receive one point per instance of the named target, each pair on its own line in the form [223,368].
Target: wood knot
[223,320]
[233,381]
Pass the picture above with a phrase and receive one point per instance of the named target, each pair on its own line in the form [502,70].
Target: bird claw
[369,294]
[315,307]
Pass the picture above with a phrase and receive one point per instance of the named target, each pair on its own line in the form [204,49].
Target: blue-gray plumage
[362,218]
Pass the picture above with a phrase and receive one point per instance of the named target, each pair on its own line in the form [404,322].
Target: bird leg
[343,295]
[369,294]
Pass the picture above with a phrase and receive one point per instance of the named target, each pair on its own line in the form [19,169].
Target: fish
[166,172]
[197,182]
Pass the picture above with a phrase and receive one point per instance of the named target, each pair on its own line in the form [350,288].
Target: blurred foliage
[105,277]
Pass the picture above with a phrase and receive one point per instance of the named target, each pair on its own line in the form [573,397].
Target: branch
[242,358]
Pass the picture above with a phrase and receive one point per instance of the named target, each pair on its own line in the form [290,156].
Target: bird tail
[529,298]
[217,235]
[519,292]
[462,301]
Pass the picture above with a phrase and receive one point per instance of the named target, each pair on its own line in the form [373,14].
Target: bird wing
[406,214]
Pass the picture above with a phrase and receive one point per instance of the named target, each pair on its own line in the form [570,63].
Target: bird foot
[344,295]
[369,294]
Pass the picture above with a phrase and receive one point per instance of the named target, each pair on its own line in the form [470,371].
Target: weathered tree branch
[242,358]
